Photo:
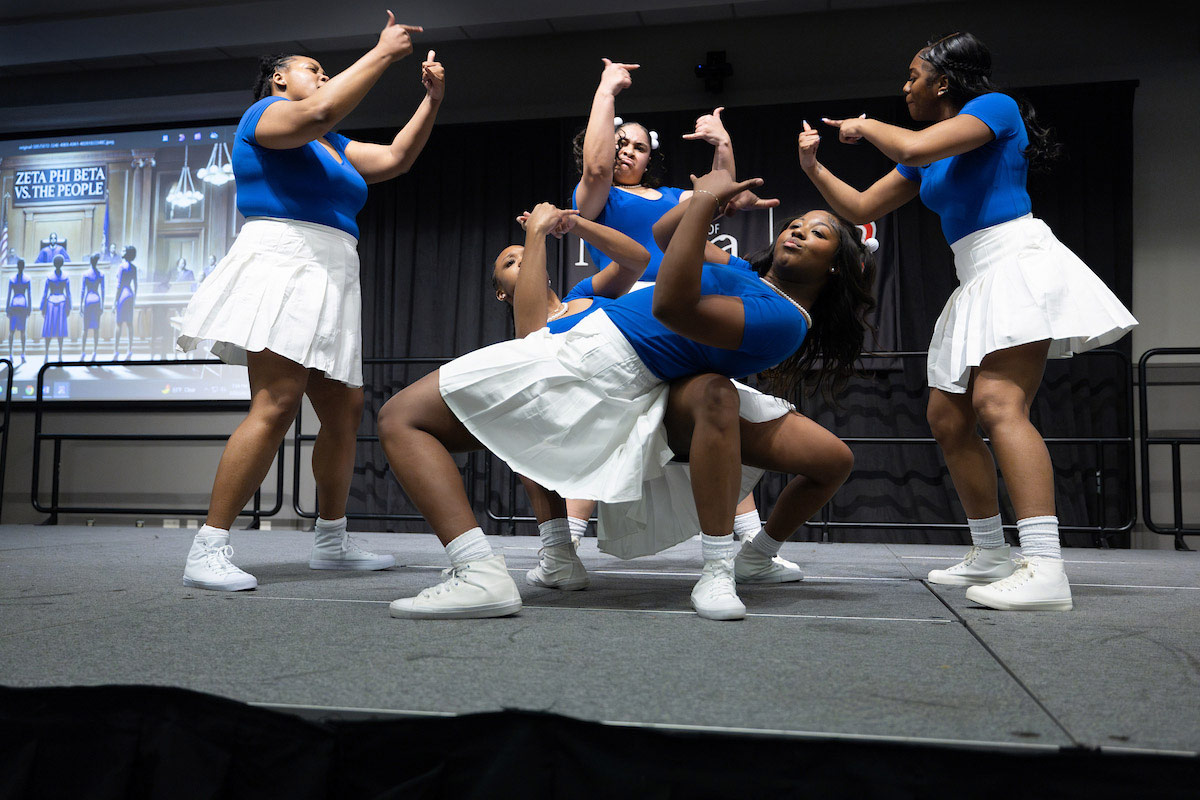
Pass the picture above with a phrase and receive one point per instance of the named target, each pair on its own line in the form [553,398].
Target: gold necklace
[786,296]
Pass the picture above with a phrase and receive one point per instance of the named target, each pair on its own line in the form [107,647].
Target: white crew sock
[208,531]
[1039,537]
[987,533]
[578,526]
[330,525]
[766,545]
[717,548]
[469,546]
[747,525]
[555,532]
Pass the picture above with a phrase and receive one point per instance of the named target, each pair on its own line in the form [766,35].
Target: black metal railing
[827,518]
[51,407]
[1175,439]
[493,471]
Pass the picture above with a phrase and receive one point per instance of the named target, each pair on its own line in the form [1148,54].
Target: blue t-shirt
[984,186]
[634,216]
[304,183]
[774,327]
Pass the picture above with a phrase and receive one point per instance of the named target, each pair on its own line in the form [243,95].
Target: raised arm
[629,259]
[950,137]
[884,196]
[666,225]
[716,320]
[531,303]
[599,146]
[377,162]
[287,125]
[711,128]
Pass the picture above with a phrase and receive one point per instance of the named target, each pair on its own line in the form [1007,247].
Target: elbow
[911,156]
[665,313]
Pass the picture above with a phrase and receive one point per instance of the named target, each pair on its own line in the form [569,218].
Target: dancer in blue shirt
[621,188]
[285,300]
[1023,297]
[584,412]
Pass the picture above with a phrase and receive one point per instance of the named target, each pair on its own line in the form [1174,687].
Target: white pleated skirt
[1018,284]
[580,413]
[286,286]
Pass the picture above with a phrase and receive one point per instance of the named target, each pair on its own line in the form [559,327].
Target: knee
[841,463]
[396,419]
[947,424]
[993,408]
[717,402]
[277,409]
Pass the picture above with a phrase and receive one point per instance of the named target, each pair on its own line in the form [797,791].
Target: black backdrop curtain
[429,238]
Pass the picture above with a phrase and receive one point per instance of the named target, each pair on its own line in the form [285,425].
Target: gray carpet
[862,648]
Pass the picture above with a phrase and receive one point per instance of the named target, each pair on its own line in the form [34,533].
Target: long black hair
[967,64]
[267,67]
[652,178]
[827,357]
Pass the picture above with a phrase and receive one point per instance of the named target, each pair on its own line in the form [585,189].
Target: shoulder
[996,110]
[253,114]
[672,192]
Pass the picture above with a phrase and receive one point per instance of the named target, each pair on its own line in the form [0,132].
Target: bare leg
[581,509]
[276,388]
[702,421]
[955,427]
[339,408]
[796,445]
[547,505]
[418,433]
[1002,393]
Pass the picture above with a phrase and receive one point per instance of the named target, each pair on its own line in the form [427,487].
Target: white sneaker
[751,566]
[980,565]
[336,549]
[1038,584]
[208,566]
[715,595]
[476,590]
[559,567]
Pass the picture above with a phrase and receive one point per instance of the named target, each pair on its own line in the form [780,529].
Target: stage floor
[863,648]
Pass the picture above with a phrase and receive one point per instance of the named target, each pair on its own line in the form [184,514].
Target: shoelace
[450,578]
[218,560]
[722,583]
[1022,573]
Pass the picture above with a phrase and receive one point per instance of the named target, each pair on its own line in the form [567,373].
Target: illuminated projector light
[219,169]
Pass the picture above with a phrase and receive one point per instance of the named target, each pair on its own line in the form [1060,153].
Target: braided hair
[967,65]
[267,67]
[652,178]
[839,316]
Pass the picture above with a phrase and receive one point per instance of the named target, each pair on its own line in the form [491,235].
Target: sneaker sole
[962,580]
[476,612]
[566,586]
[792,577]
[240,586]
[720,614]
[1034,605]
[360,566]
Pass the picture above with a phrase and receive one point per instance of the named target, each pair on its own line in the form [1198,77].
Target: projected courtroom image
[103,240]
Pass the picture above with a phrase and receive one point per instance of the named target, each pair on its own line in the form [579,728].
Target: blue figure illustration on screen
[17,307]
[91,305]
[127,288]
[53,248]
[56,305]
